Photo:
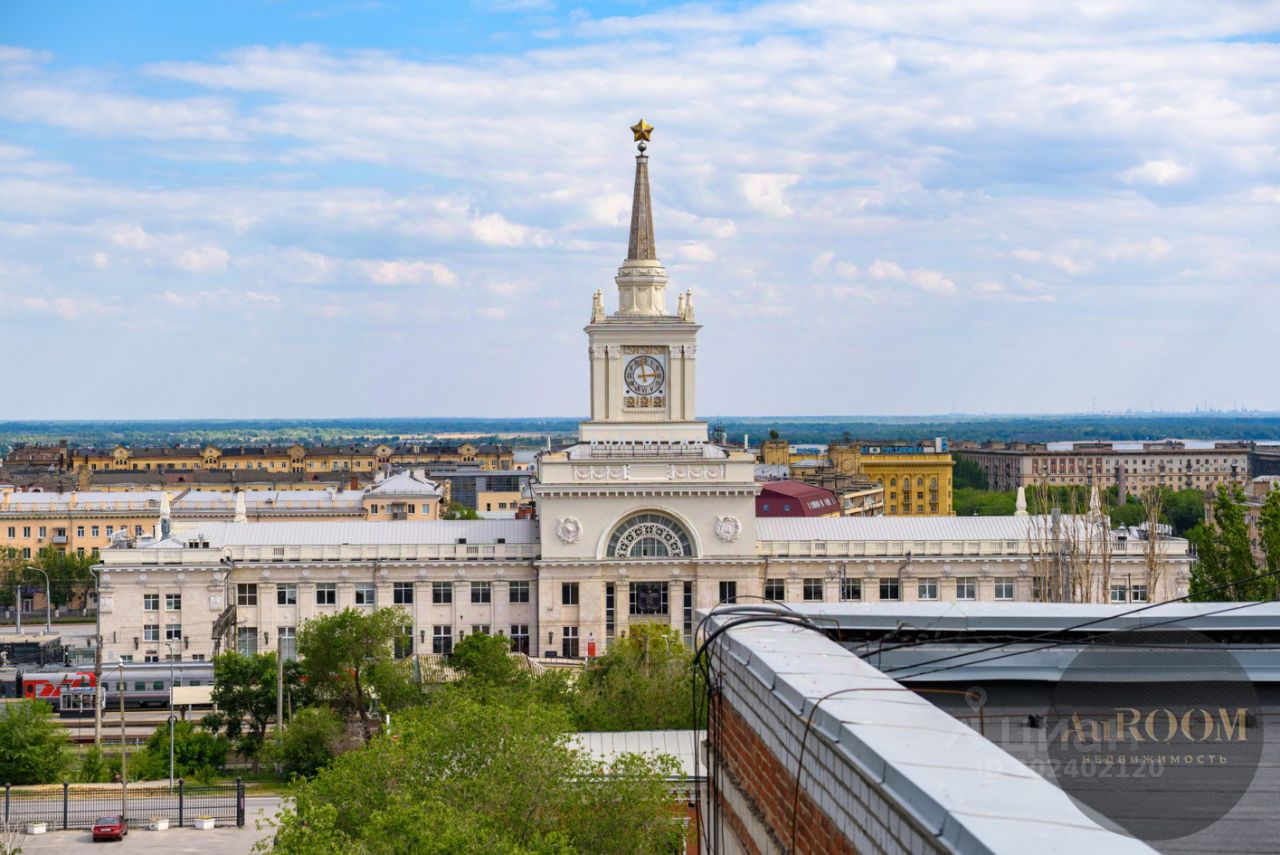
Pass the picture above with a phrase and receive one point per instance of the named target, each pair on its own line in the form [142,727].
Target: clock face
[644,375]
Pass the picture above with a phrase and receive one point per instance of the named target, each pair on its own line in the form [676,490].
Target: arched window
[650,535]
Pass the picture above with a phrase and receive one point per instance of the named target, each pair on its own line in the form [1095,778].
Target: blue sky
[313,209]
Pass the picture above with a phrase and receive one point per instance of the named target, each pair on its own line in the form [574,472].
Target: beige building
[642,521]
[1130,466]
[915,479]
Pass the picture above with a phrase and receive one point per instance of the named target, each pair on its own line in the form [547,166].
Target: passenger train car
[143,685]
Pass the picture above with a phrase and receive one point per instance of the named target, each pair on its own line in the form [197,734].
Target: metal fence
[80,805]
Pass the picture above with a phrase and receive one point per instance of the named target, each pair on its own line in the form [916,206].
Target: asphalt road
[173,841]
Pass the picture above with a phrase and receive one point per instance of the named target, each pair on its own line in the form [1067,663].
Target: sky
[334,209]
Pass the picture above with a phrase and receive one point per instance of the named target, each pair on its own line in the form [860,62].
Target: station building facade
[643,520]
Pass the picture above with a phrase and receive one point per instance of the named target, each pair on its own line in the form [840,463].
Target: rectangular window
[648,598]
[79,531]
[966,588]
[287,642]
[481,592]
[151,632]
[728,592]
[366,594]
[173,632]
[327,594]
[568,593]
[94,530]
[403,643]
[775,589]
[688,613]
[1118,593]
[110,530]
[520,638]
[246,594]
[173,602]
[402,593]
[889,589]
[247,640]
[1037,588]
[518,592]
[480,629]
[610,610]
[1004,589]
[569,642]
[813,590]
[850,590]
[286,595]
[927,588]
[151,602]
[442,639]
[42,531]
[441,592]
[1138,593]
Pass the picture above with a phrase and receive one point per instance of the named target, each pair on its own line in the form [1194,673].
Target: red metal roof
[795,499]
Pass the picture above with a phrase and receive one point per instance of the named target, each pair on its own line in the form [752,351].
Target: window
[402,593]
[151,632]
[569,642]
[480,629]
[1004,589]
[649,535]
[173,602]
[42,531]
[1037,588]
[775,589]
[246,594]
[568,593]
[403,643]
[287,642]
[927,588]
[286,595]
[151,602]
[1118,593]
[728,592]
[326,594]
[648,598]
[813,590]
[247,640]
[442,639]
[366,594]
[481,592]
[850,589]
[79,531]
[140,685]
[93,530]
[110,530]
[966,588]
[173,632]
[520,638]
[441,592]
[1138,593]
[688,613]
[889,589]
[518,592]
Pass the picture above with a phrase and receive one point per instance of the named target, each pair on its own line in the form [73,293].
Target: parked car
[110,828]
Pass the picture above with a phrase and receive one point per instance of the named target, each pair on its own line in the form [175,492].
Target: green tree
[1269,530]
[486,659]
[197,753]
[309,742]
[644,682]
[464,776]
[342,650]
[1184,510]
[244,692]
[32,745]
[69,573]
[968,474]
[94,768]
[459,511]
[969,502]
[1225,564]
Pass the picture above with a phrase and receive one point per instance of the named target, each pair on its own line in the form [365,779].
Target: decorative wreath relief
[727,528]
[568,530]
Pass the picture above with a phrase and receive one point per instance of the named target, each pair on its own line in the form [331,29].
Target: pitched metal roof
[906,528]
[359,533]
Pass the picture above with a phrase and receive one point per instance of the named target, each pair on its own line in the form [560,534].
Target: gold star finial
[642,130]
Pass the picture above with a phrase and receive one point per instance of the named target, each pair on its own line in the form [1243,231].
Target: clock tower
[642,357]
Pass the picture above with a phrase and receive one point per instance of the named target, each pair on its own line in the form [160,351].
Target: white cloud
[1162,172]
[885,270]
[223,298]
[402,272]
[693,251]
[846,270]
[497,230]
[766,192]
[821,263]
[203,259]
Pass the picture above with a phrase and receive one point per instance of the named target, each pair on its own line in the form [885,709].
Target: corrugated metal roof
[680,744]
[360,533]
[905,528]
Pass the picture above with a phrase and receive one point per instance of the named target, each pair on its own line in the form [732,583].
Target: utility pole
[124,756]
[48,624]
[99,696]
[279,687]
[172,717]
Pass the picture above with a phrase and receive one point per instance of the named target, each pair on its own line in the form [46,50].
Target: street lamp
[169,644]
[48,624]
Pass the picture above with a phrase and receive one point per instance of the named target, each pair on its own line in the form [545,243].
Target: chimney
[355,482]
[241,510]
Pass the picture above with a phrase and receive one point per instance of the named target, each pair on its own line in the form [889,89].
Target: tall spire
[642,281]
[641,246]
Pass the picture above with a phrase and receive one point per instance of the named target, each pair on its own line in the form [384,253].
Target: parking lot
[173,841]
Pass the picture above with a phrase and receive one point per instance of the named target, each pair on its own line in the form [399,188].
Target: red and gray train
[69,689]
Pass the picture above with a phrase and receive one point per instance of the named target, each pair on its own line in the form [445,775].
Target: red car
[110,828]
